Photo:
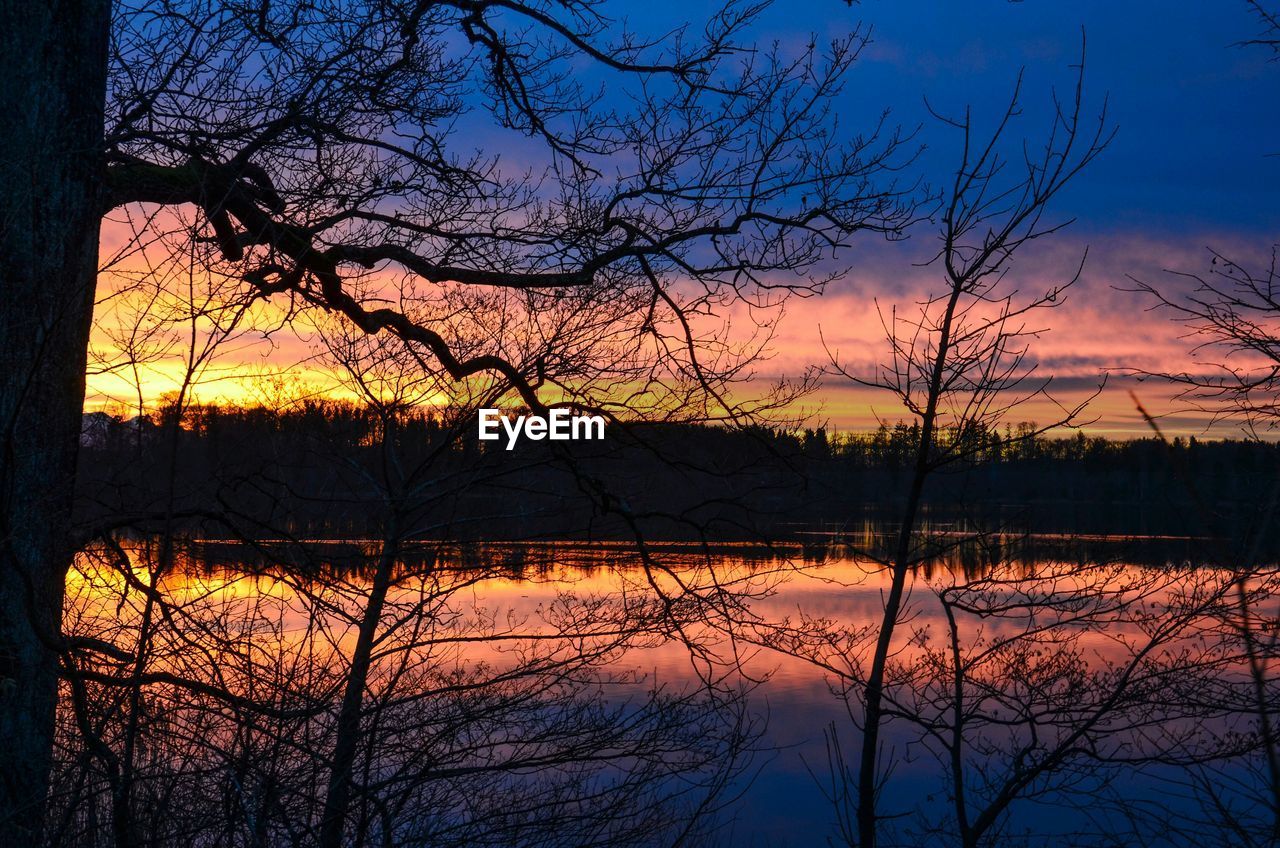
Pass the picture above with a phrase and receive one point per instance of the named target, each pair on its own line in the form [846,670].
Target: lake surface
[1034,614]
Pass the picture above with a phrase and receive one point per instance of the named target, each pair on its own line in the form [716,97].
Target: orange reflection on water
[485,603]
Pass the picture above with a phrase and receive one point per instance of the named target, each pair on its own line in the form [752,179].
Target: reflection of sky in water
[786,803]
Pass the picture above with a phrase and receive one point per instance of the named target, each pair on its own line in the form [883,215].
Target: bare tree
[474,726]
[331,148]
[1230,315]
[961,364]
[1046,684]
[376,699]
[1269,17]
[48,252]
[1231,320]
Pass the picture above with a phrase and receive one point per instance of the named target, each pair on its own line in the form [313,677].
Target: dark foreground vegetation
[494,200]
[301,627]
[317,469]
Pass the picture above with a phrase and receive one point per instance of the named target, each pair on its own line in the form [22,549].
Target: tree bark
[53,60]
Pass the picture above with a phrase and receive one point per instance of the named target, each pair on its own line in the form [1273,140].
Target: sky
[1192,167]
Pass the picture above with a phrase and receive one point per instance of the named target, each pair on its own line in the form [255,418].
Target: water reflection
[601,694]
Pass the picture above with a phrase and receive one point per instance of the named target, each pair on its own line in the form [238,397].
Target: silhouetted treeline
[334,469]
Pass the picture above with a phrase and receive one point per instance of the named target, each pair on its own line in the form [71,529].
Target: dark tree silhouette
[1269,17]
[55,66]
[1230,315]
[959,364]
[356,693]
[343,156]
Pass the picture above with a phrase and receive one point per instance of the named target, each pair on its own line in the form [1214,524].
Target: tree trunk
[868,769]
[337,800]
[53,59]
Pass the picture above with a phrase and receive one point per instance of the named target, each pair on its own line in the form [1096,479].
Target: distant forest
[337,470]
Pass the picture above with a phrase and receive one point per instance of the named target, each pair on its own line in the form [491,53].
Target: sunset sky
[1193,167]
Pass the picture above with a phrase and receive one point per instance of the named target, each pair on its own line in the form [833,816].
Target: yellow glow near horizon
[270,359]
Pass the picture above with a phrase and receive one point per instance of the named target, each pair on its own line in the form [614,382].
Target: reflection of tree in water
[480,724]
[957,547]
[1057,702]
[1064,682]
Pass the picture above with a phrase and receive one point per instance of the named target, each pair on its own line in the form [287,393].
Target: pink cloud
[1098,330]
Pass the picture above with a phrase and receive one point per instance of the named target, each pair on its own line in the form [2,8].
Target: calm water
[494,604]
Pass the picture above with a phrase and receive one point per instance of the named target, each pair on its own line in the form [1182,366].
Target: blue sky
[1197,116]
